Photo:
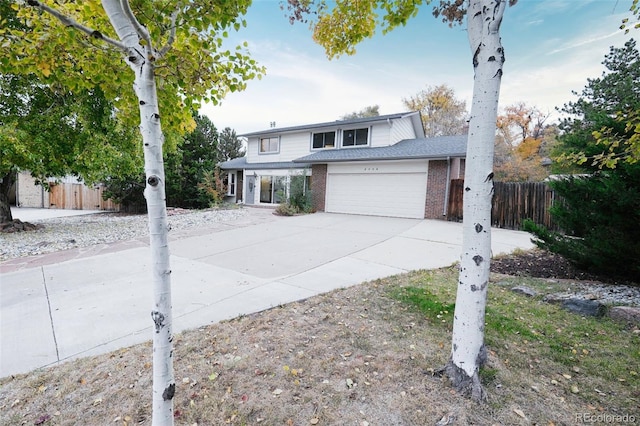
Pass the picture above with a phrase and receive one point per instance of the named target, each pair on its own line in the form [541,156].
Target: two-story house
[381,166]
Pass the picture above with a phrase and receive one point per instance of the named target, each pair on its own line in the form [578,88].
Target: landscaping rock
[524,290]
[627,314]
[17,225]
[590,308]
[557,298]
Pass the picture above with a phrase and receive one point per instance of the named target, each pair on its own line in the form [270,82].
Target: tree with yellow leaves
[155,60]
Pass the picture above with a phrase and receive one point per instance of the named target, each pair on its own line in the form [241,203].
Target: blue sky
[552,47]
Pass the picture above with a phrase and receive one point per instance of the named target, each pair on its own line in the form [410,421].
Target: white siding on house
[252,149]
[292,146]
[298,144]
[402,129]
[380,134]
[396,189]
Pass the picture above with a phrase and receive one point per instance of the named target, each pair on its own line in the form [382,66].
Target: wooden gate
[75,196]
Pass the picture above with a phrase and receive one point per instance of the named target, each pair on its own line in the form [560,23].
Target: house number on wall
[370,169]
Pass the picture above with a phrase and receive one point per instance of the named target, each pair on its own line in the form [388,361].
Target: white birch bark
[135,43]
[468,352]
[141,60]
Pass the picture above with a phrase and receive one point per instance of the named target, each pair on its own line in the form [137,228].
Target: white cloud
[302,86]
[547,74]
[582,42]
[299,88]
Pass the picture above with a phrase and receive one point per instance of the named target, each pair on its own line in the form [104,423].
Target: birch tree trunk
[198,69]
[468,352]
[153,138]
[141,57]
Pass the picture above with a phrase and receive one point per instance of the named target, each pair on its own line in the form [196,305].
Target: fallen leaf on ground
[519,412]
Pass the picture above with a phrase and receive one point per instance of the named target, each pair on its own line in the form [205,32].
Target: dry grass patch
[359,356]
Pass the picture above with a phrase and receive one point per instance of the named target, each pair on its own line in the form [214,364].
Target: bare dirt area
[358,356]
[541,264]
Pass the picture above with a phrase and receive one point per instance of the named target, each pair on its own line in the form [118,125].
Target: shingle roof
[241,163]
[438,147]
[380,118]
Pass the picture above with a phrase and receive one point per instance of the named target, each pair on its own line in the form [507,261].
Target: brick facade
[29,193]
[318,186]
[436,189]
[437,186]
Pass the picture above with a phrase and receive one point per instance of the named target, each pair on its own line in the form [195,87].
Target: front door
[251,190]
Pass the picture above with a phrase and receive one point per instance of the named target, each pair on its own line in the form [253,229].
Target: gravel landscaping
[87,230]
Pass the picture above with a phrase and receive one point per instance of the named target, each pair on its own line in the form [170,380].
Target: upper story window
[355,137]
[324,140]
[269,145]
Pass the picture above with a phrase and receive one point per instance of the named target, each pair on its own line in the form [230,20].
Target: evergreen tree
[599,208]
[229,145]
[186,167]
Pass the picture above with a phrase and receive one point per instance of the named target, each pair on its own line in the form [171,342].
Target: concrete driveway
[53,310]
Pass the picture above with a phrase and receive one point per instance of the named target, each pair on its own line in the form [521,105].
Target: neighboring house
[380,166]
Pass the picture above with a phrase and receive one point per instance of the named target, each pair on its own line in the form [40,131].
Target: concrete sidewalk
[96,304]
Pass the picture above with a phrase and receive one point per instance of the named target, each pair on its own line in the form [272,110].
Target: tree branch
[172,34]
[140,29]
[70,22]
[499,8]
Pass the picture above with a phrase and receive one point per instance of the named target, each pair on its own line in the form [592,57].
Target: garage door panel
[382,194]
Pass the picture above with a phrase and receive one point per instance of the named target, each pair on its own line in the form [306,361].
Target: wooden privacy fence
[76,196]
[513,202]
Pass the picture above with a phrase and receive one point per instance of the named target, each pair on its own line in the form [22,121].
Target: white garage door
[394,194]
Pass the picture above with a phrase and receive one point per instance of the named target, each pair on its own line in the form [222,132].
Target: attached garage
[389,188]
[408,179]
